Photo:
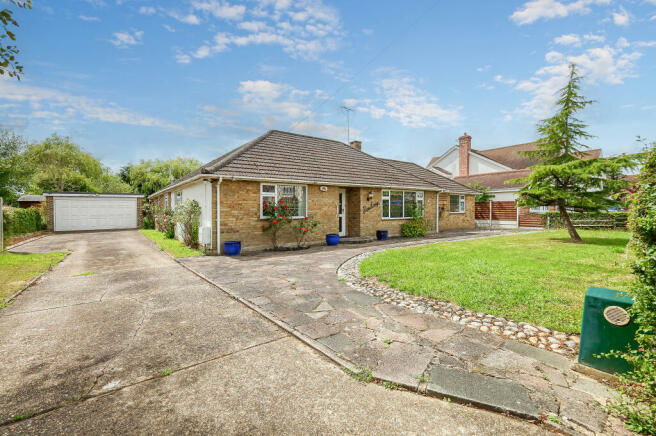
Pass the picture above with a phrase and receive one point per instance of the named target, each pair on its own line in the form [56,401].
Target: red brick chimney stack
[464,143]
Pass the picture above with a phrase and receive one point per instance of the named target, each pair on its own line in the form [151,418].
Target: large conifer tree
[562,178]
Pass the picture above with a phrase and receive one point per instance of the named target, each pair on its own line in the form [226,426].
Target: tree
[484,192]
[563,177]
[9,65]
[14,174]
[60,165]
[149,176]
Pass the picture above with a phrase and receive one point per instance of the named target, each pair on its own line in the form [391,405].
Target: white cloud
[410,105]
[62,107]
[535,10]
[621,18]
[324,130]
[147,10]
[303,29]
[568,39]
[187,19]
[273,98]
[610,65]
[169,28]
[483,68]
[594,38]
[126,39]
[182,58]
[202,52]
[88,18]
[253,26]
[553,57]
[651,43]
[220,9]
[506,81]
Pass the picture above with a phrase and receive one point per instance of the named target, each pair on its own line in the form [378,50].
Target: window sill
[263,218]
[456,213]
[393,219]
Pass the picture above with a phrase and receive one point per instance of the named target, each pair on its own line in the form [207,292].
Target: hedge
[615,220]
[18,221]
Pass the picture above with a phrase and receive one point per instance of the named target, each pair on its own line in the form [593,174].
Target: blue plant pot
[382,235]
[332,239]
[232,248]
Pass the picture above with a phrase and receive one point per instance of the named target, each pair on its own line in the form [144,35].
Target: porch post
[437,214]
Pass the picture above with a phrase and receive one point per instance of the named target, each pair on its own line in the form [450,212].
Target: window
[178,198]
[539,209]
[294,196]
[457,203]
[398,204]
[166,201]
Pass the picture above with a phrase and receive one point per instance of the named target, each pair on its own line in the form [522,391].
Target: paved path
[84,354]
[416,350]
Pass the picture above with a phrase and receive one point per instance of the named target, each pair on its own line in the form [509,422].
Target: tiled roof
[285,156]
[511,156]
[444,183]
[495,180]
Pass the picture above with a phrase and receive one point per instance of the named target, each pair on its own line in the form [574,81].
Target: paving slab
[489,392]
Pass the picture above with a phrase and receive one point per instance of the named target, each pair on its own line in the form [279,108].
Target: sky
[139,79]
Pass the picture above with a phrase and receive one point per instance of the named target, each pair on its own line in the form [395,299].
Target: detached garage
[78,211]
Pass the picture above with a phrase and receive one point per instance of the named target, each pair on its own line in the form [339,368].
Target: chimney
[357,145]
[464,144]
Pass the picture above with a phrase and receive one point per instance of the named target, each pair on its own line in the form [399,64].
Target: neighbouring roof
[286,156]
[439,180]
[31,198]
[511,156]
[495,180]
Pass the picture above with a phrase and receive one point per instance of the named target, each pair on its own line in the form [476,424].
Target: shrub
[278,216]
[187,215]
[18,221]
[417,226]
[164,222]
[637,403]
[147,212]
[618,220]
[303,227]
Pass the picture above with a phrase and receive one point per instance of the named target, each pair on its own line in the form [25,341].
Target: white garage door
[95,213]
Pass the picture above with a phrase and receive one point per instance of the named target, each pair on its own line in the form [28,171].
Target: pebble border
[538,336]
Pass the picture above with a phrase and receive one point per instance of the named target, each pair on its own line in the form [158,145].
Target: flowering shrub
[148,214]
[302,228]
[164,222]
[278,216]
[187,215]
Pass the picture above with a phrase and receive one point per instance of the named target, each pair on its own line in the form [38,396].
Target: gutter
[184,182]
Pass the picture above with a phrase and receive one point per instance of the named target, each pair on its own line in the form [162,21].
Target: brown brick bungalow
[347,190]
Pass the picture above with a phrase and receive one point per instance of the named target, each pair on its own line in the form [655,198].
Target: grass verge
[539,278]
[17,269]
[172,246]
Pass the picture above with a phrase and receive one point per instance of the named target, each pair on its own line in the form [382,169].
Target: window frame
[462,203]
[275,197]
[388,197]
[177,198]
[539,209]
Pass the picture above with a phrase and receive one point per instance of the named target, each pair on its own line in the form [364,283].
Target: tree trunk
[564,216]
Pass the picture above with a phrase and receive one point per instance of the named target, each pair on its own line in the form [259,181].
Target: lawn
[16,269]
[539,277]
[172,246]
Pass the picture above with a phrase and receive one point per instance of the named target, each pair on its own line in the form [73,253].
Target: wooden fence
[507,211]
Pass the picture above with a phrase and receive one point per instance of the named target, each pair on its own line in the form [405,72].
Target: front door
[341,212]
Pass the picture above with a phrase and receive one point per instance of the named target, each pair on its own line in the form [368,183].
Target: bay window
[294,196]
[398,204]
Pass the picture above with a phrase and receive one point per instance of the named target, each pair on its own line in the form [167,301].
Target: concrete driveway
[86,353]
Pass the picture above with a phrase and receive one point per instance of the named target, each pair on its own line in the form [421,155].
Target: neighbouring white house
[494,168]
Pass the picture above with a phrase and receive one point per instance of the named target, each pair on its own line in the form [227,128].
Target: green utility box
[606,326]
